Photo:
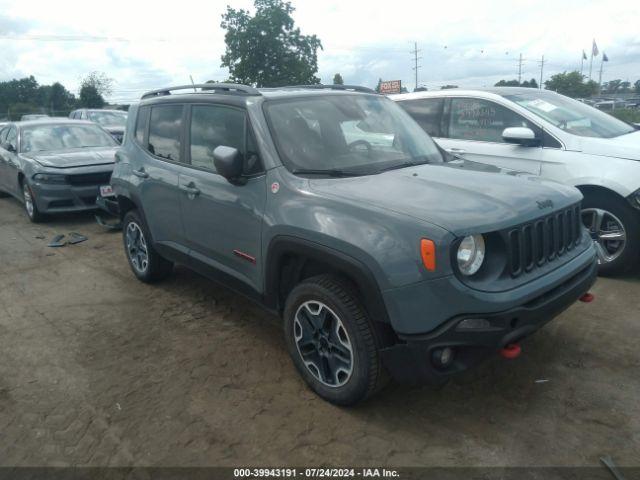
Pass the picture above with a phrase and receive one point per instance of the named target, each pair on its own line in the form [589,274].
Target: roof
[489,91]
[52,121]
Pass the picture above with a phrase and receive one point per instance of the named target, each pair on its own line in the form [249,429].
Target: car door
[9,161]
[473,129]
[159,129]
[223,221]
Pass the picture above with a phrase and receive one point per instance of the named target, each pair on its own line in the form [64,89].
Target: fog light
[443,357]
[473,324]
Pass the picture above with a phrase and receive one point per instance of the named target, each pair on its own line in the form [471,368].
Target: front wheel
[331,340]
[145,262]
[30,206]
[615,229]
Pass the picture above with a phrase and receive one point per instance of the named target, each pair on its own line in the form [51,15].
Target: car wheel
[145,262]
[30,206]
[615,229]
[331,340]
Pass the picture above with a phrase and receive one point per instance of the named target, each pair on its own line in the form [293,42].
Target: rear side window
[427,112]
[142,120]
[212,126]
[165,126]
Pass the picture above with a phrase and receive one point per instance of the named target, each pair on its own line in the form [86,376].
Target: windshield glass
[109,118]
[572,116]
[357,134]
[44,138]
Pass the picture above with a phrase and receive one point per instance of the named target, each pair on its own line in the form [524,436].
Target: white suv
[556,137]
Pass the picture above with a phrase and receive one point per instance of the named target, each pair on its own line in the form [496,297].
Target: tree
[90,97]
[530,84]
[571,84]
[266,49]
[448,87]
[57,98]
[337,79]
[99,81]
[507,83]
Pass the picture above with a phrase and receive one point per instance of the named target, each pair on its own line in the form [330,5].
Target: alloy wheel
[28,199]
[137,247]
[323,344]
[607,231]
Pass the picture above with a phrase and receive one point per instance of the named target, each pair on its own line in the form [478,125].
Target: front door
[223,221]
[474,131]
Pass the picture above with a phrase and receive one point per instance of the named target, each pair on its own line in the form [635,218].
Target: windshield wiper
[332,172]
[398,166]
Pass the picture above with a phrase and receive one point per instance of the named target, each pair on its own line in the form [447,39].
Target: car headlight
[471,254]
[49,178]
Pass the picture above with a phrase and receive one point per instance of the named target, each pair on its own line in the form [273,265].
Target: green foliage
[90,97]
[99,81]
[448,87]
[337,79]
[629,115]
[616,86]
[22,96]
[514,83]
[266,49]
[571,84]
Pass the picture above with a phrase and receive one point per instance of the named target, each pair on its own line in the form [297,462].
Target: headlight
[471,254]
[49,178]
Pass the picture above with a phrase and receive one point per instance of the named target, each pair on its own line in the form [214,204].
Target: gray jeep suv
[333,208]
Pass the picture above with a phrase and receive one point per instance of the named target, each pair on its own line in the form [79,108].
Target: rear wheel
[332,341]
[615,229]
[145,262]
[30,206]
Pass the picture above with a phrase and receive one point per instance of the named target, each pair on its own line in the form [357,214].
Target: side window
[142,121]
[165,126]
[212,126]
[3,134]
[12,137]
[482,120]
[427,112]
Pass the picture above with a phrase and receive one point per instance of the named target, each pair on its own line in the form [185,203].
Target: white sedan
[556,137]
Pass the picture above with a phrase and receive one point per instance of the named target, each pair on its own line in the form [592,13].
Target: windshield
[44,138]
[356,134]
[109,118]
[572,116]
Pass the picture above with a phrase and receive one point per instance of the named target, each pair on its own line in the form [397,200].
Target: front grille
[533,244]
[100,178]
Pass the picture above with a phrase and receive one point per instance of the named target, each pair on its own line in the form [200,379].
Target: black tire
[4,194]
[630,219]
[156,267]
[30,207]
[366,375]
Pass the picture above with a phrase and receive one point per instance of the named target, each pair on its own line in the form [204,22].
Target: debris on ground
[75,237]
[542,380]
[57,241]
[608,462]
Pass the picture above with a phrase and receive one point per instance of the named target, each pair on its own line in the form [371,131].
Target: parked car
[55,166]
[33,116]
[113,121]
[377,255]
[550,135]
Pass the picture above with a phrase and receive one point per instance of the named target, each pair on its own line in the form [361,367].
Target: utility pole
[520,70]
[541,71]
[600,77]
[415,68]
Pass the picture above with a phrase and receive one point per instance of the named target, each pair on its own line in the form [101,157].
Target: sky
[144,45]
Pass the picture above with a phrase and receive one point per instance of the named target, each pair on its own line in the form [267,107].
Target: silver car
[556,137]
[55,166]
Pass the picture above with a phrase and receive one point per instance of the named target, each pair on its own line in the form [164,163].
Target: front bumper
[411,360]
[52,198]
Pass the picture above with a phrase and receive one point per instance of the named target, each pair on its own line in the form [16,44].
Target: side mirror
[228,162]
[521,136]
[9,147]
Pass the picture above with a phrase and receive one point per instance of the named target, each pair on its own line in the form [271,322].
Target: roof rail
[319,86]
[233,88]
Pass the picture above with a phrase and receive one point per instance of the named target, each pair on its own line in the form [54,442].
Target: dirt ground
[97,368]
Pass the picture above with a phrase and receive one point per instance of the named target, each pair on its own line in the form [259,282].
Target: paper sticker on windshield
[542,105]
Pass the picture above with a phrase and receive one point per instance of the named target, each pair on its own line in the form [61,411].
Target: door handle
[141,173]
[456,151]
[191,190]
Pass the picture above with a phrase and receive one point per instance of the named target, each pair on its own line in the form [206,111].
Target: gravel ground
[99,369]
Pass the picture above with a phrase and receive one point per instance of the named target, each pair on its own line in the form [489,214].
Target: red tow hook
[587,298]
[511,351]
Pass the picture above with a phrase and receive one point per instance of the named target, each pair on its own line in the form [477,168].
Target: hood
[78,157]
[458,196]
[625,146]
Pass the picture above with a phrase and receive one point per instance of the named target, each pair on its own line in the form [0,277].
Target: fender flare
[353,268]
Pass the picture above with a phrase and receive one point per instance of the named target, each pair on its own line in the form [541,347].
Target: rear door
[9,162]
[473,129]
[160,129]
[223,221]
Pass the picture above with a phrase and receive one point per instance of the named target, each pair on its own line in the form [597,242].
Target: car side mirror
[520,136]
[9,147]
[228,162]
